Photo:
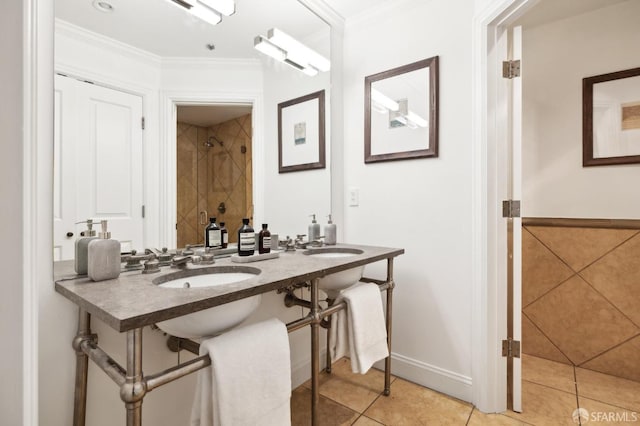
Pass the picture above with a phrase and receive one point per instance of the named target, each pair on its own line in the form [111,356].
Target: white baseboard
[430,376]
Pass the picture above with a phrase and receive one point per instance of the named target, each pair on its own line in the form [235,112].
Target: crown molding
[326,13]
[78,33]
[382,9]
[245,63]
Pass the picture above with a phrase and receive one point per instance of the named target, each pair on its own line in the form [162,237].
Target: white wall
[420,205]
[11,305]
[557,56]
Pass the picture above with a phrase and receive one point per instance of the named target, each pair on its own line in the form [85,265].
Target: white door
[99,165]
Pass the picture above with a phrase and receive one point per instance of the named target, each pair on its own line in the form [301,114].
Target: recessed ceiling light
[103,6]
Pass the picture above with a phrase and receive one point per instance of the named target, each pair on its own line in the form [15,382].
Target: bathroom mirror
[401,112]
[611,118]
[159,35]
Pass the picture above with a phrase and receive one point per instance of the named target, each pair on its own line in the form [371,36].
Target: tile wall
[210,176]
[581,297]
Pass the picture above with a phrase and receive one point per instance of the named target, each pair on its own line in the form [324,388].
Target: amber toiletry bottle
[246,239]
[264,240]
[225,235]
[212,234]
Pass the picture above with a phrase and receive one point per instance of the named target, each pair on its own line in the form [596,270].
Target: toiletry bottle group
[212,234]
[246,239]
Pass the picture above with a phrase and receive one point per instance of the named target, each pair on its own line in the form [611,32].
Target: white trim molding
[489,266]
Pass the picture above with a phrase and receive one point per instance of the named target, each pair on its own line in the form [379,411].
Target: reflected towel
[359,330]
[249,380]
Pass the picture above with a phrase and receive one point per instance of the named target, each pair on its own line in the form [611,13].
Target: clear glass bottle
[246,239]
[212,234]
[264,240]
[225,235]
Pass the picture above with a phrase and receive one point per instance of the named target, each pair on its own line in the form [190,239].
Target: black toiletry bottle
[225,235]
[264,240]
[246,239]
[212,234]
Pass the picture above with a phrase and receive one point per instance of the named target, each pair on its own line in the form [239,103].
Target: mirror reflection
[116,156]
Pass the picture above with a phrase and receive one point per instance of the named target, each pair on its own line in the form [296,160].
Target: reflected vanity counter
[133,301]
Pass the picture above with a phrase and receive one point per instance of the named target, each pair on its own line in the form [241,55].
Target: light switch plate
[354,197]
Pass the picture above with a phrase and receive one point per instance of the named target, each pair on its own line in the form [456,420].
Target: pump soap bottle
[104,256]
[246,239]
[82,248]
[314,229]
[330,231]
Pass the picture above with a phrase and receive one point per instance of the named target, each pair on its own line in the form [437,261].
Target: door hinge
[142,123]
[143,211]
[511,69]
[511,348]
[511,208]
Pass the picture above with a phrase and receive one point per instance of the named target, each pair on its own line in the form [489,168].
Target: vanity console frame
[100,299]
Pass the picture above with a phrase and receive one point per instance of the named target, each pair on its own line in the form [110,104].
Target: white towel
[249,380]
[359,330]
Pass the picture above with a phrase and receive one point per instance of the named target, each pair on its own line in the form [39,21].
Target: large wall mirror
[212,160]
[401,112]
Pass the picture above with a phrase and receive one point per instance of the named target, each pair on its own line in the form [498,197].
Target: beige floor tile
[599,413]
[366,421]
[331,413]
[545,406]
[608,389]
[548,373]
[356,391]
[411,404]
[479,418]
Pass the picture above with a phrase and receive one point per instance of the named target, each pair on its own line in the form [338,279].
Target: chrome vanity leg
[82,368]
[387,361]
[315,353]
[328,354]
[133,390]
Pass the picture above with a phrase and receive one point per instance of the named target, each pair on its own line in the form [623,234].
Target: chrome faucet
[180,262]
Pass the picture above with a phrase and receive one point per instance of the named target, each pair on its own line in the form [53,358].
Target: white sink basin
[333,284]
[212,321]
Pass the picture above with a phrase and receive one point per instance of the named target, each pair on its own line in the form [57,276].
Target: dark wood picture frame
[587,120]
[293,103]
[432,150]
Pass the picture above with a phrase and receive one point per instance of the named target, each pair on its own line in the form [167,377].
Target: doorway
[213,169]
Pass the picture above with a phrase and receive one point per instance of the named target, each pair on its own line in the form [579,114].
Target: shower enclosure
[213,176]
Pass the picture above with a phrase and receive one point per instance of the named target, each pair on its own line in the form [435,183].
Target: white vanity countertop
[133,300]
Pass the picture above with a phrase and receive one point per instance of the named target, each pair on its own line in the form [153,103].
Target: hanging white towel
[249,380]
[359,330]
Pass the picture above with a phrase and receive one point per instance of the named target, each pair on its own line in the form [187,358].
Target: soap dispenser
[314,229]
[82,248]
[104,256]
[330,231]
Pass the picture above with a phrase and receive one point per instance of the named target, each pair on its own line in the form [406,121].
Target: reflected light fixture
[399,113]
[285,48]
[210,11]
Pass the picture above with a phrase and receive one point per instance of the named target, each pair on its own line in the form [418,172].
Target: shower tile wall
[209,176]
[581,297]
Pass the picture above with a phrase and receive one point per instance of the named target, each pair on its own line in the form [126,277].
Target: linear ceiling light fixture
[210,11]
[285,48]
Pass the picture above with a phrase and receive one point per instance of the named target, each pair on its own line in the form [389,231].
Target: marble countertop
[133,300]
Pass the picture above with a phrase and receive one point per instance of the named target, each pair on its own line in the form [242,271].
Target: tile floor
[551,392]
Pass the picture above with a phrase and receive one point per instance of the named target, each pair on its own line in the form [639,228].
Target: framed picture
[401,113]
[301,133]
[611,118]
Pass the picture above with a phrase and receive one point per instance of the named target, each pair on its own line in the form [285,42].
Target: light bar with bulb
[225,7]
[201,10]
[286,49]
[383,100]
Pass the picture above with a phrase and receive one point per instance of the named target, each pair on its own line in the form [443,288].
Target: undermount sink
[212,321]
[333,284]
